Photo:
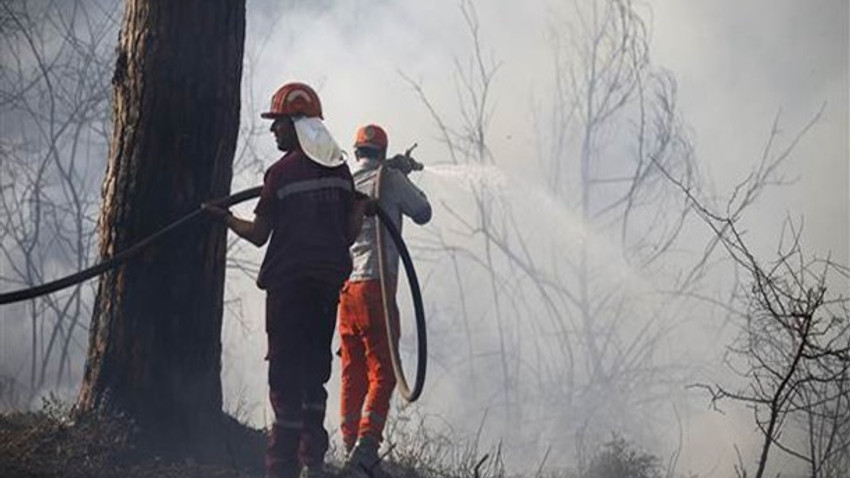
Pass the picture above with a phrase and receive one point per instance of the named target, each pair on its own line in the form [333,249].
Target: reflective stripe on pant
[367,372]
[300,321]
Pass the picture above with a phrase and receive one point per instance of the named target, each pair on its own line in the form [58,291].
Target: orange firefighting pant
[367,371]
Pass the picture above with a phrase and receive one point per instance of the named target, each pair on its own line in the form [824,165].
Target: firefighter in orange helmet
[308,207]
[367,373]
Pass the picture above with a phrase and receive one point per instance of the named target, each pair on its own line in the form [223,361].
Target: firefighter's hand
[368,206]
[365,204]
[371,207]
[404,163]
[215,211]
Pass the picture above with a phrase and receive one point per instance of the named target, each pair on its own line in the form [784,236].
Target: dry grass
[49,444]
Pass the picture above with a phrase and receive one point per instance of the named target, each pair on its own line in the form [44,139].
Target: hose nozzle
[404,162]
[416,165]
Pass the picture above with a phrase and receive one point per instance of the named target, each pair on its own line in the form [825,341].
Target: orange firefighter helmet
[371,136]
[293,99]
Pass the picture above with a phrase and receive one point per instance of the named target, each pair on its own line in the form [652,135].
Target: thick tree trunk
[155,344]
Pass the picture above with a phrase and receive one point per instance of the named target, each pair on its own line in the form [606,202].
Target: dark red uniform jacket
[308,206]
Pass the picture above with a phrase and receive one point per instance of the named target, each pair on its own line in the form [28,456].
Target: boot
[314,471]
[363,458]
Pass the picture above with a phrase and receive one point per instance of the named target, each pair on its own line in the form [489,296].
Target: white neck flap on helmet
[317,143]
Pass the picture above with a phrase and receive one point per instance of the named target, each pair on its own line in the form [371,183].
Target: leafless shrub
[566,339]
[54,101]
[793,348]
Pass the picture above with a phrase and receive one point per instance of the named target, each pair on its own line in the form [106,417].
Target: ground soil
[47,445]
[44,445]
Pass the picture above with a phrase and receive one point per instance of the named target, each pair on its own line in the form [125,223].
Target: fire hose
[387,300]
[242,196]
[114,261]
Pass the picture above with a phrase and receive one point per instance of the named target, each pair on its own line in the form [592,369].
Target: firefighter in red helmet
[308,207]
[367,373]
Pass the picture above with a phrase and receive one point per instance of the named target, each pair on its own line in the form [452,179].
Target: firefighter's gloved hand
[215,211]
[371,207]
[404,163]
[365,204]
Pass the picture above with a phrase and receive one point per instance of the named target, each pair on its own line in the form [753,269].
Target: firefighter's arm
[256,232]
[413,202]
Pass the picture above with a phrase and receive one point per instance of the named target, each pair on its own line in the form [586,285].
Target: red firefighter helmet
[371,136]
[293,99]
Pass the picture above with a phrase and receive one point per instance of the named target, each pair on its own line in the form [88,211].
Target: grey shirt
[398,196]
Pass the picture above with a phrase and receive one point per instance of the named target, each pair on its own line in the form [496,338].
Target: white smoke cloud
[737,66]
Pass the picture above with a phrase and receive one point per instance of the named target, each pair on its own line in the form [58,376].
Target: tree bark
[155,340]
